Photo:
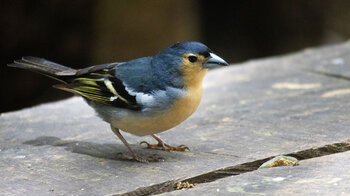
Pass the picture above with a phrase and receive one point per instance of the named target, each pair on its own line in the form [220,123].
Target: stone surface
[327,175]
[249,111]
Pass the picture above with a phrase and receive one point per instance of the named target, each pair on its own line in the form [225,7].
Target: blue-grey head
[193,52]
[189,59]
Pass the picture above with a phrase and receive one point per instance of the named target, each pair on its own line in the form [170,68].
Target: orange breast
[142,124]
[139,124]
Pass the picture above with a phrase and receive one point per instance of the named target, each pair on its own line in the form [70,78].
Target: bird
[143,96]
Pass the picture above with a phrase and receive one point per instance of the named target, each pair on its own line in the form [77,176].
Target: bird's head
[191,59]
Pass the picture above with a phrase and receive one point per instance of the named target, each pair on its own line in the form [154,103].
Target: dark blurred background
[80,33]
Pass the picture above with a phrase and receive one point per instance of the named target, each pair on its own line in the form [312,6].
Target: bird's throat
[193,78]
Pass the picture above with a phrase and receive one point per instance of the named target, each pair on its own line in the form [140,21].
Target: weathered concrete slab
[326,175]
[262,108]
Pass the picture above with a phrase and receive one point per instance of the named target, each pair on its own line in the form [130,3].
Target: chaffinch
[143,96]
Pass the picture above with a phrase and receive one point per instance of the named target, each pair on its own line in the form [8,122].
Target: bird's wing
[99,84]
[103,67]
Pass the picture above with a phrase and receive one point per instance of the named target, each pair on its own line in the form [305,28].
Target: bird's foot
[134,156]
[165,147]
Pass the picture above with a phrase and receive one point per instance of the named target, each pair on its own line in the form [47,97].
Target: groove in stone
[170,186]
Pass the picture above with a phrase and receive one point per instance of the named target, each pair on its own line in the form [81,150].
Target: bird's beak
[214,61]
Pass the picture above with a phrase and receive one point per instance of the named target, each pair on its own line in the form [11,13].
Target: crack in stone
[167,186]
[221,154]
[338,76]
[170,186]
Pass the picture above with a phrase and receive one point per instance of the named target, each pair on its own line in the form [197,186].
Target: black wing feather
[100,85]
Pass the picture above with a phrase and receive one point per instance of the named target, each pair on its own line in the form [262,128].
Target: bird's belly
[145,123]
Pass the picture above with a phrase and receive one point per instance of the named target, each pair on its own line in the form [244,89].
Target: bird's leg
[133,154]
[164,146]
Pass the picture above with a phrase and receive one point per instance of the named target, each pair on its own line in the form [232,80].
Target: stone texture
[325,175]
[249,111]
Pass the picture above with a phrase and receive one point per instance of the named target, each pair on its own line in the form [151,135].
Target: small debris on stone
[280,161]
[278,179]
[338,61]
[184,185]
[20,157]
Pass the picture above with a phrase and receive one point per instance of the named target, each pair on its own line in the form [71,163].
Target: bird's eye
[192,59]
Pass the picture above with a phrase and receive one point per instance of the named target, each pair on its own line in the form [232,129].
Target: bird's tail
[45,67]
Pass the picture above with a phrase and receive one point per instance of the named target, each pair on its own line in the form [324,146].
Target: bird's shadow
[105,151]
